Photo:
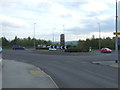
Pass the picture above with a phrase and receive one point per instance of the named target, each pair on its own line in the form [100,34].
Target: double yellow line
[117,66]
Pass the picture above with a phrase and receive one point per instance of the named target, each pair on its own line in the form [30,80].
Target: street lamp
[34,35]
[99,35]
[53,34]
[64,33]
[63,29]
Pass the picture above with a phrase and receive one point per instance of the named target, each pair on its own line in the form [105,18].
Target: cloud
[95,6]
[86,26]
[66,16]
[85,29]
[8,21]
[80,17]
[75,30]
[102,34]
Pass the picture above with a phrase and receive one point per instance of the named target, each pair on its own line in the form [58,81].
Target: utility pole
[116,43]
[34,35]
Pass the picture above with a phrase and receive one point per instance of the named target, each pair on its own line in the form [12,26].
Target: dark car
[18,47]
[106,50]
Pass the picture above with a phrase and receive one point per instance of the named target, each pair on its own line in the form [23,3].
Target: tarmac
[21,75]
[14,74]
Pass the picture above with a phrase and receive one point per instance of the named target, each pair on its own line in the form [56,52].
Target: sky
[78,19]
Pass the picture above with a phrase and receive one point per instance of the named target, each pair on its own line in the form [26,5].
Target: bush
[77,49]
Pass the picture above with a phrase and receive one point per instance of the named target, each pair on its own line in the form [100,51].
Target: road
[70,71]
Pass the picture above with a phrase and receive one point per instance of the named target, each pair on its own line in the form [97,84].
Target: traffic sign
[118,33]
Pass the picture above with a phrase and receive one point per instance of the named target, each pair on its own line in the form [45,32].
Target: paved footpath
[109,63]
[21,75]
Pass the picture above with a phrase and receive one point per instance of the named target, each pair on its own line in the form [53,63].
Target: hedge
[37,48]
[77,49]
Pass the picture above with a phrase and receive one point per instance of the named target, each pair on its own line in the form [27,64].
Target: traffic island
[62,52]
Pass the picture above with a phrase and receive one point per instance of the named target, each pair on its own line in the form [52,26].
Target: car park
[106,50]
[18,47]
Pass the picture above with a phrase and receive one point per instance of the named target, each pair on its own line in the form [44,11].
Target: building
[62,39]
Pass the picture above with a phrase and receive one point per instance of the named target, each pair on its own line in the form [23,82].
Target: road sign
[118,33]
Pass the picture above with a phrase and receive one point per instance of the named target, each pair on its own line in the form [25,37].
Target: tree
[94,43]
[14,41]
[5,42]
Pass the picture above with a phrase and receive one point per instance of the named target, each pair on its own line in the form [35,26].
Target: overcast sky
[81,18]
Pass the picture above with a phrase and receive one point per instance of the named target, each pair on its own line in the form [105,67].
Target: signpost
[116,33]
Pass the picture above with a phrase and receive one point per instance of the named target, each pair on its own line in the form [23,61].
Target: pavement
[21,75]
[0,73]
[108,63]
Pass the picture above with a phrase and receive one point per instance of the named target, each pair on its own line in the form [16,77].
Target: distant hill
[69,42]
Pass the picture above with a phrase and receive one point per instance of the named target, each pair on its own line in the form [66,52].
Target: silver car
[0,49]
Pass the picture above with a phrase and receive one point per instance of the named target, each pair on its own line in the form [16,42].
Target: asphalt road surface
[71,71]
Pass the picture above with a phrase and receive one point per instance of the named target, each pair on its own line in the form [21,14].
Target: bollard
[116,61]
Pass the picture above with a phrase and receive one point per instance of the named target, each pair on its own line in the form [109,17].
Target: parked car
[18,47]
[106,50]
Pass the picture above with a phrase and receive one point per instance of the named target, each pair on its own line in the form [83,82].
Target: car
[52,49]
[18,47]
[0,49]
[106,50]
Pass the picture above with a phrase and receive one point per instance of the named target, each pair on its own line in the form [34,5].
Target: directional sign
[118,33]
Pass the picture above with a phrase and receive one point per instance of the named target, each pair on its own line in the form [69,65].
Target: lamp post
[34,35]
[53,34]
[63,29]
[64,33]
[99,35]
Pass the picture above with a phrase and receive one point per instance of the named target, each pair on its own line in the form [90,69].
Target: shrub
[77,49]
[39,48]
